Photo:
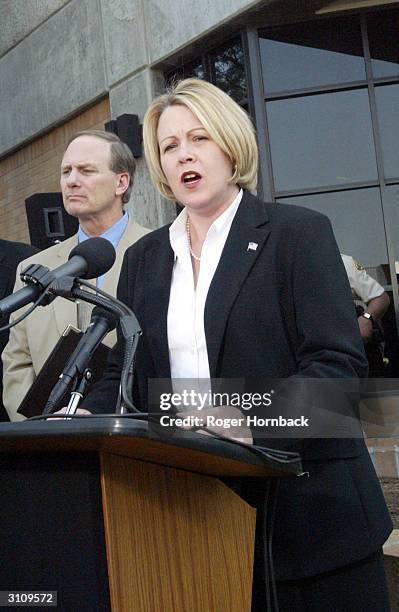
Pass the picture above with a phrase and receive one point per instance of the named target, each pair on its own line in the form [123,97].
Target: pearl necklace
[188,231]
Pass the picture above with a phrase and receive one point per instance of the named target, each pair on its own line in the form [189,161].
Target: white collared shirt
[186,333]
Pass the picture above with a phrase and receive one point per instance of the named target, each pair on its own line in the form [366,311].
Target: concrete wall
[59,57]
[54,71]
[20,17]
[198,17]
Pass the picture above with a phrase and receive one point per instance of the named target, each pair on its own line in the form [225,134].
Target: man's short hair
[122,159]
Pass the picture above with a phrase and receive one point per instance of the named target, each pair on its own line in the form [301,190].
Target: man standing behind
[96,180]
[365,289]
[371,303]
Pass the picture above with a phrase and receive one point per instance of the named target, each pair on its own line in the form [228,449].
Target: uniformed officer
[367,290]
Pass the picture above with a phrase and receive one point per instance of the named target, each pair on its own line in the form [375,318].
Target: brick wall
[36,168]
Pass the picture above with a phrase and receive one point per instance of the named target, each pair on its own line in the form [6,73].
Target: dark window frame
[370,83]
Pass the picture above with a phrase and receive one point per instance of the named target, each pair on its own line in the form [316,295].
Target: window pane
[312,54]
[321,140]
[383,32]
[387,98]
[229,70]
[356,217]
[193,69]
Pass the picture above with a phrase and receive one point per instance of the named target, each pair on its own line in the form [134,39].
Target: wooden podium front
[113,519]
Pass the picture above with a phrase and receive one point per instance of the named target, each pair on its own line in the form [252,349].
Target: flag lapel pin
[252,246]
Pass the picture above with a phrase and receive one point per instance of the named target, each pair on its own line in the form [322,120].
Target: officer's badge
[358,266]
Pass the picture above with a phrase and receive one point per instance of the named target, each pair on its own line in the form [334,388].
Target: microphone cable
[31,308]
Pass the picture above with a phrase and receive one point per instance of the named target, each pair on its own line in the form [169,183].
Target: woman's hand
[79,412]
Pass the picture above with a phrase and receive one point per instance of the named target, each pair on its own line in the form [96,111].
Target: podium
[114,519]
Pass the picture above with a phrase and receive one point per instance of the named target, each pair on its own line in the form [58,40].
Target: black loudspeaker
[47,220]
[129,130]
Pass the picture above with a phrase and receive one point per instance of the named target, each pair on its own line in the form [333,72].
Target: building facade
[320,79]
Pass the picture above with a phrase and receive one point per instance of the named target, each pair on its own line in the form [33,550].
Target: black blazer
[281,310]
[11,254]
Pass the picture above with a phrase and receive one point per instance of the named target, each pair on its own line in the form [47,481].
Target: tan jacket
[32,340]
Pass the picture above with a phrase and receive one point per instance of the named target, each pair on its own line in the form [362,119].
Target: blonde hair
[224,120]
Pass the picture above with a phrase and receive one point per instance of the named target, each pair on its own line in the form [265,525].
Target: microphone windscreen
[98,253]
[110,317]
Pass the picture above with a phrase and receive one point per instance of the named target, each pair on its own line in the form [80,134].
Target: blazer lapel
[131,234]
[65,311]
[158,276]
[112,276]
[246,239]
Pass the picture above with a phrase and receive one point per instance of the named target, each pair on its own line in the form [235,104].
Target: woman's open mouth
[190,179]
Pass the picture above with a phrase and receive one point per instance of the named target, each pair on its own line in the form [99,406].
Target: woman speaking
[240,288]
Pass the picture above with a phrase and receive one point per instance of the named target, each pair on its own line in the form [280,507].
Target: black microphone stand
[70,288]
[75,371]
[78,394]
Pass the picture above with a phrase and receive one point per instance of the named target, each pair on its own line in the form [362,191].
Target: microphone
[101,322]
[90,259]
